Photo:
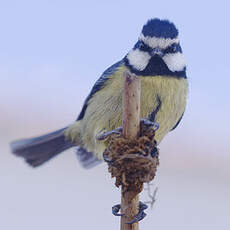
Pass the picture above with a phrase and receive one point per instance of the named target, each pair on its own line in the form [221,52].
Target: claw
[103,135]
[141,214]
[142,206]
[107,159]
[116,209]
[154,152]
[150,124]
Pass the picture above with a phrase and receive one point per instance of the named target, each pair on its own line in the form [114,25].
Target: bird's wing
[98,85]
[177,123]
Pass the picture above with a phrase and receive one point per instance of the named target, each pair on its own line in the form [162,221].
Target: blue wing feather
[98,85]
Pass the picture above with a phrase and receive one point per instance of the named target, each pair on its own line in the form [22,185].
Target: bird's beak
[157,51]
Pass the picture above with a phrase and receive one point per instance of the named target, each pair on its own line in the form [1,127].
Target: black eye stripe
[174,48]
[144,47]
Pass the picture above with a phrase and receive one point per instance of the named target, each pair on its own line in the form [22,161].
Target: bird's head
[158,51]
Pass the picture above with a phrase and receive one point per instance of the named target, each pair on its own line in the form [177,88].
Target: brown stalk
[131,127]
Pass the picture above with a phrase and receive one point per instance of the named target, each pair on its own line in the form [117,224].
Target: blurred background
[51,53]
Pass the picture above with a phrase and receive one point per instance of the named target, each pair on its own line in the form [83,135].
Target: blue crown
[160,29]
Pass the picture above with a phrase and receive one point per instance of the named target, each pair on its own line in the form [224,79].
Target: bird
[157,59]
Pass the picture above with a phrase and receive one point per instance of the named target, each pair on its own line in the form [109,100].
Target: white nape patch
[158,42]
[138,59]
[175,61]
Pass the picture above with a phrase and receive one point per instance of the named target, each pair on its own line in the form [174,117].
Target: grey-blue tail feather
[87,159]
[38,150]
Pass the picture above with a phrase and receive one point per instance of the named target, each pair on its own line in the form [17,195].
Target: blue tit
[157,59]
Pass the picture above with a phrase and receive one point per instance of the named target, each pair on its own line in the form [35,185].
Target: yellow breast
[104,111]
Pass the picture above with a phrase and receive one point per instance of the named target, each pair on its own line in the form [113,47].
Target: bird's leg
[140,216]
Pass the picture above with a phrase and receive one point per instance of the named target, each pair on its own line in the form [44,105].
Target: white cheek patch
[155,41]
[175,61]
[138,59]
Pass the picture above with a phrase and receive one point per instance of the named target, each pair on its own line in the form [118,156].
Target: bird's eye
[174,48]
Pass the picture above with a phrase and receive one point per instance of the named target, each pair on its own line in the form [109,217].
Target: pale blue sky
[51,53]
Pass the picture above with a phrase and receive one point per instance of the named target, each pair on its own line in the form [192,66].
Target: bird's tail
[38,150]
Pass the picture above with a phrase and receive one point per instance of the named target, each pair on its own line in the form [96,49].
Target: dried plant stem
[131,127]
[131,106]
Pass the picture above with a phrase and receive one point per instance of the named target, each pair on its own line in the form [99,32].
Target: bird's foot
[144,123]
[107,159]
[102,136]
[115,210]
[155,151]
[105,134]
[147,124]
[140,216]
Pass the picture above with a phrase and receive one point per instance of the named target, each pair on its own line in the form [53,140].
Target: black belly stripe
[152,116]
